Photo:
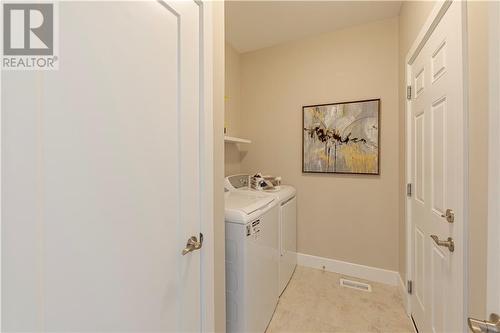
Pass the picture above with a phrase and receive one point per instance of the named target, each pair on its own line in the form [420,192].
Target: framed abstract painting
[341,138]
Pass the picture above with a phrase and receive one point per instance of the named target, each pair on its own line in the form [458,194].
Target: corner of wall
[232,109]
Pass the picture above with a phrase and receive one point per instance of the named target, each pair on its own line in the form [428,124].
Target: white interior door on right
[436,173]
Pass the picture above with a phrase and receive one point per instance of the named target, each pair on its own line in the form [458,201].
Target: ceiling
[252,25]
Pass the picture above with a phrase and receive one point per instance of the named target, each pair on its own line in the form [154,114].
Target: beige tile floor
[315,302]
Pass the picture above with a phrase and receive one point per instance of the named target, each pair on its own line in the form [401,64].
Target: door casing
[207,170]
[437,13]
[493,263]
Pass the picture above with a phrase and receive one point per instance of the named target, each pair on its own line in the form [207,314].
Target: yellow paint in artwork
[357,160]
[320,154]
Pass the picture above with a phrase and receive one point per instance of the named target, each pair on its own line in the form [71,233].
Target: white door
[101,174]
[437,175]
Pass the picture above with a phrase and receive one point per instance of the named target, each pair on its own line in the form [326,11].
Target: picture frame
[341,138]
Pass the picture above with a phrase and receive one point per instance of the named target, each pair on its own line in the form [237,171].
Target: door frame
[493,259]
[437,13]
[1,178]
[207,260]
[207,297]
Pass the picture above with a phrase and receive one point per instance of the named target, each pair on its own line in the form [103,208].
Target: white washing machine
[287,203]
[251,260]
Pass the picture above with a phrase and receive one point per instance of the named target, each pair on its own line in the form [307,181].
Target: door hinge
[409,286]
[408,189]
[408,92]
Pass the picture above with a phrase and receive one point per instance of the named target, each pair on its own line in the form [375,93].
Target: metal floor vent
[355,285]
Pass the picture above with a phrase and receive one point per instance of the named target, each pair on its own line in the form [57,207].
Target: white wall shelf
[232,139]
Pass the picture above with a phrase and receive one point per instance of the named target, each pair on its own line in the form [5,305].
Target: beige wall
[346,217]
[412,17]
[219,225]
[232,110]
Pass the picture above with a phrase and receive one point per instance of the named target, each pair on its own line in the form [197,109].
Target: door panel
[419,267]
[438,142]
[438,294]
[108,189]
[420,157]
[436,168]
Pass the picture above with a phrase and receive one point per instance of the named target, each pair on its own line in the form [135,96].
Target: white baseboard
[346,268]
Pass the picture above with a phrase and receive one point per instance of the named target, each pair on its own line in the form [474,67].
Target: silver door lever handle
[449,243]
[193,244]
[449,215]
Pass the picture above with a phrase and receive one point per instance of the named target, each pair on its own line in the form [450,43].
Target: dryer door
[288,259]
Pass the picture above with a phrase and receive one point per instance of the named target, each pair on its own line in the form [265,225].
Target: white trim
[493,263]
[403,292]
[232,139]
[346,268]
[465,171]
[430,24]
[207,224]
[1,175]
[207,301]
[432,21]
[409,238]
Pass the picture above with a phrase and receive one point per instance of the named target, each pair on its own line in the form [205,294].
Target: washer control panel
[237,181]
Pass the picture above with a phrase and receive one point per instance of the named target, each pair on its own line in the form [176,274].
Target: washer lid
[239,207]
[281,193]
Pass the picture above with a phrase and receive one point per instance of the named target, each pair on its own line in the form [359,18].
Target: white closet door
[101,183]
